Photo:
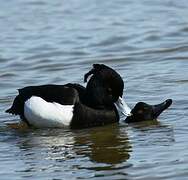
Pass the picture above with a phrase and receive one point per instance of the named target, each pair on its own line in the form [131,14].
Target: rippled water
[45,41]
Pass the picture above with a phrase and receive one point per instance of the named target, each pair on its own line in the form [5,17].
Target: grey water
[43,41]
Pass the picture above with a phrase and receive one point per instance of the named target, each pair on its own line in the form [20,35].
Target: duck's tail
[17,106]
[10,110]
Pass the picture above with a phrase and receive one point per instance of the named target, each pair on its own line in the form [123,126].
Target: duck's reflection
[104,145]
[95,150]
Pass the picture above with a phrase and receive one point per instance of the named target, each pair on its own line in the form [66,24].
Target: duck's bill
[159,108]
[122,107]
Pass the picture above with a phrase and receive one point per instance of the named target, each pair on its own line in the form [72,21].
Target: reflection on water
[106,148]
[104,145]
[98,152]
[100,145]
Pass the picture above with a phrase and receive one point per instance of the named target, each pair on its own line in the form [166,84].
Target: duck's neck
[90,97]
[92,100]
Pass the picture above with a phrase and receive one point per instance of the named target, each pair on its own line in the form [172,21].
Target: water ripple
[56,42]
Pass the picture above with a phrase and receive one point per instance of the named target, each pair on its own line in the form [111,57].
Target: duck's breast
[42,114]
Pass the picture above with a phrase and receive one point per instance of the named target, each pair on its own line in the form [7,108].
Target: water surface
[146,41]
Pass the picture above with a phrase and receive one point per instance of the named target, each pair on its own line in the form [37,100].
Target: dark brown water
[43,41]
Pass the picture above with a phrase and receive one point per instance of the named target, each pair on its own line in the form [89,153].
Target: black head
[104,87]
[143,111]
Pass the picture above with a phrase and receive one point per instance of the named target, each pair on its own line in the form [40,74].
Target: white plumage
[43,114]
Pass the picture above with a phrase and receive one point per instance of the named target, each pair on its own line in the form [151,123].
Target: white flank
[122,107]
[43,114]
